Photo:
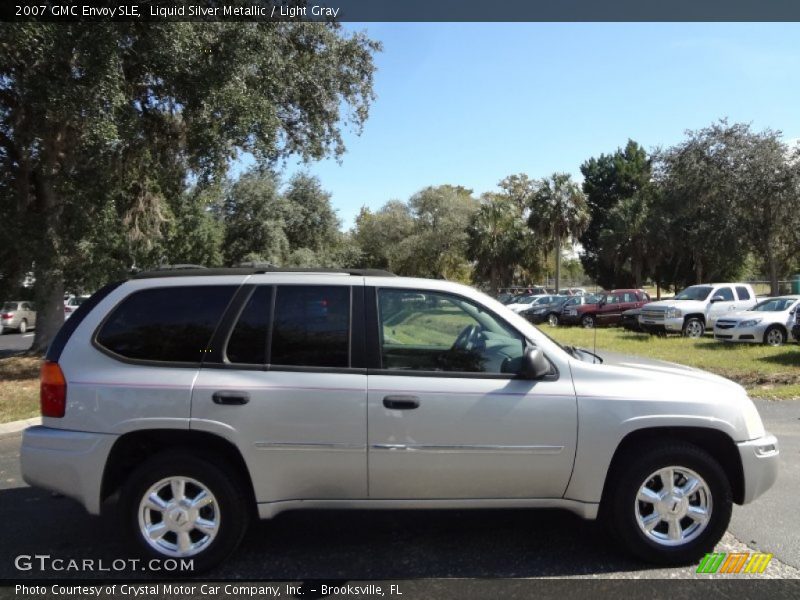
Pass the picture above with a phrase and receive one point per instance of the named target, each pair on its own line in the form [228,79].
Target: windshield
[695,292]
[775,305]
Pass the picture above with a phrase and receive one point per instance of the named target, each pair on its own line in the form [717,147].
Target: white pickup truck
[696,308]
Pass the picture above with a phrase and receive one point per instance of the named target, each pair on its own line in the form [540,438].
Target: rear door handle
[231,397]
[401,402]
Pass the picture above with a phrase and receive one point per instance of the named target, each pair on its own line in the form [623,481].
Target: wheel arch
[131,449]
[786,334]
[717,443]
[700,316]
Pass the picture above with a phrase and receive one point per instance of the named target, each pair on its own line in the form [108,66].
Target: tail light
[52,390]
[7,316]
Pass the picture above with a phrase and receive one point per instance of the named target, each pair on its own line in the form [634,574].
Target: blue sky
[471,103]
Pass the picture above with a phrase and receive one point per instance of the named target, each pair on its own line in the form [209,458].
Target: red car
[608,310]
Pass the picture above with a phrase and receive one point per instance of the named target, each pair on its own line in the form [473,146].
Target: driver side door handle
[401,402]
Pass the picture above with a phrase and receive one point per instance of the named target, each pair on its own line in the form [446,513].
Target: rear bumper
[760,459]
[68,462]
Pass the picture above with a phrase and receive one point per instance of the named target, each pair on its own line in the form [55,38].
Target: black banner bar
[399,10]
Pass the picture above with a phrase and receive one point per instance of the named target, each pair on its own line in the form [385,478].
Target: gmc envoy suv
[195,400]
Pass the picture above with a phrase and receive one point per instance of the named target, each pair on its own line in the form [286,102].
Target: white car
[768,322]
[527,302]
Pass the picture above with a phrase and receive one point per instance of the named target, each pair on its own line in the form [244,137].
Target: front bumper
[673,325]
[753,335]
[67,462]
[760,459]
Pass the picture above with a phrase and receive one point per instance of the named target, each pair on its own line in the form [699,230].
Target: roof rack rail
[188,271]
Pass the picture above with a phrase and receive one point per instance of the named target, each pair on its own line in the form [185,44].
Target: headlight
[673,313]
[749,323]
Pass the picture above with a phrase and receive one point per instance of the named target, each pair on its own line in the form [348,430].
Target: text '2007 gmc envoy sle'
[198,399]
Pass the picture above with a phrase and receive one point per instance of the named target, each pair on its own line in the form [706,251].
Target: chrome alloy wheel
[552,319]
[775,337]
[179,516]
[673,506]
[694,329]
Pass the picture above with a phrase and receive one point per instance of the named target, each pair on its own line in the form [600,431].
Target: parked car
[630,320]
[72,305]
[525,302]
[546,311]
[607,310]
[768,322]
[17,314]
[194,399]
[696,308]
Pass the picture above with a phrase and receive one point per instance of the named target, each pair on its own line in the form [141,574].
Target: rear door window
[311,327]
[248,341]
[170,324]
[726,293]
[742,292]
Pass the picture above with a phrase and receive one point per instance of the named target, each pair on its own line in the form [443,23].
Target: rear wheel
[552,319]
[23,326]
[588,321]
[693,328]
[669,504]
[176,505]
[774,336]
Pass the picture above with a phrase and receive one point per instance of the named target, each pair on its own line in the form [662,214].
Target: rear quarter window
[170,324]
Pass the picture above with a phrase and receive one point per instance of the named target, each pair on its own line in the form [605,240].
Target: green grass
[19,388]
[766,372]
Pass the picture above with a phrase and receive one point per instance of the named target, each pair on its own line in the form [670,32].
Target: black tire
[552,319]
[694,328]
[588,321]
[23,326]
[620,504]
[233,503]
[773,334]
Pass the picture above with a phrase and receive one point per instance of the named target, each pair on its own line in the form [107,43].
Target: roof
[195,271]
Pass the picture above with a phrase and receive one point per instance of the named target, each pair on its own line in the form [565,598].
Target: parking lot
[12,342]
[348,545]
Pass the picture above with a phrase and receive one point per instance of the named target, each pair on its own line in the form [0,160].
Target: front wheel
[176,505]
[669,504]
[588,321]
[693,328]
[552,319]
[774,336]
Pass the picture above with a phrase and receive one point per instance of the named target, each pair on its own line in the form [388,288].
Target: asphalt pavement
[407,545]
[13,342]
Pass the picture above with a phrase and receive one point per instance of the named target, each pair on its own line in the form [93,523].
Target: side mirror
[717,299]
[534,364]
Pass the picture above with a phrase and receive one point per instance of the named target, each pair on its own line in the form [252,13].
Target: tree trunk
[47,270]
[49,306]
[558,262]
[772,265]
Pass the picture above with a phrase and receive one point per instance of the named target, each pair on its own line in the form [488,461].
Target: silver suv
[201,398]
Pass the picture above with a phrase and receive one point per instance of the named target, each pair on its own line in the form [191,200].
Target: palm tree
[495,237]
[558,210]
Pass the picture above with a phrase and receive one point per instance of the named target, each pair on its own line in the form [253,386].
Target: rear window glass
[311,326]
[248,341]
[172,324]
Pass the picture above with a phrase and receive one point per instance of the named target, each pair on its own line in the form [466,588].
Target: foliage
[101,118]
[558,212]
[609,181]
